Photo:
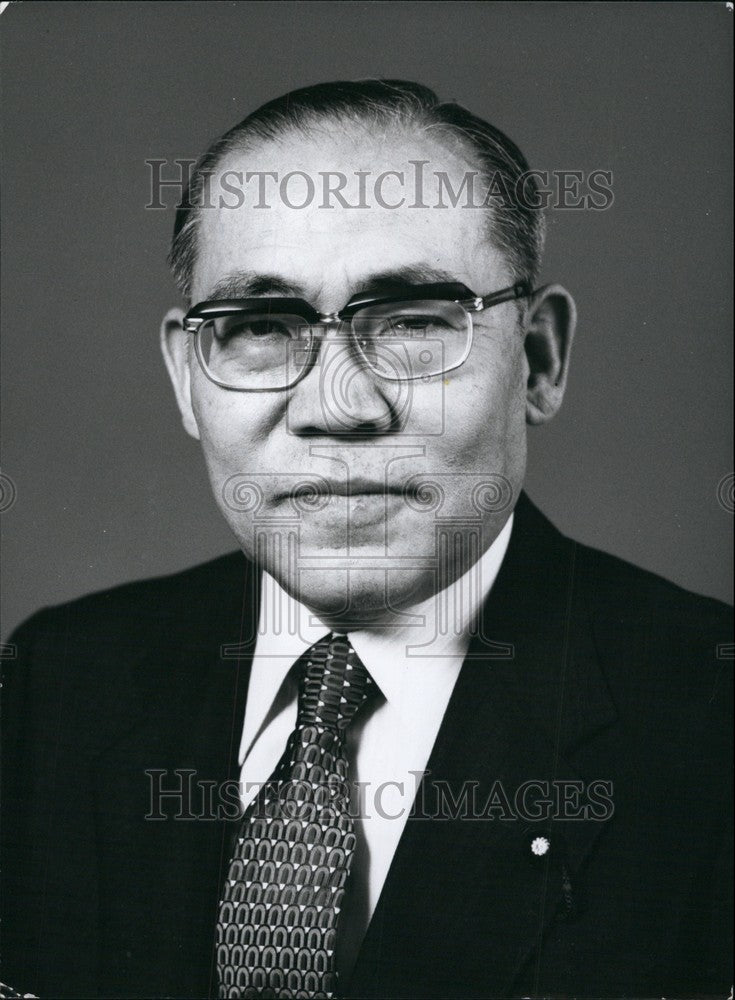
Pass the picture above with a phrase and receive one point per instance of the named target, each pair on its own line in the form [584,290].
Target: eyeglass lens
[408,340]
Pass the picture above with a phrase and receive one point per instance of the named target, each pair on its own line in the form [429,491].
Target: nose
[340,395]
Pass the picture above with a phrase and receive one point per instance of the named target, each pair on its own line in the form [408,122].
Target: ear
[550,321]
[176,346]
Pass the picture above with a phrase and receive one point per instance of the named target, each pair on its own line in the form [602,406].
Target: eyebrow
[402,277]
[247,284]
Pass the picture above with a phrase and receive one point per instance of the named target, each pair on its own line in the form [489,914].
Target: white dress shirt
[415,665]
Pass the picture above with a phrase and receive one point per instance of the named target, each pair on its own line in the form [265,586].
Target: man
[470,756]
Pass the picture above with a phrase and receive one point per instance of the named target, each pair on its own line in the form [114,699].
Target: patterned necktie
[283,893]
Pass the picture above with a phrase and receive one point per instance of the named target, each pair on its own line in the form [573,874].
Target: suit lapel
[159,877]
[467,900]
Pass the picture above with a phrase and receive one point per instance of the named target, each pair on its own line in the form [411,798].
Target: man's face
[369,539]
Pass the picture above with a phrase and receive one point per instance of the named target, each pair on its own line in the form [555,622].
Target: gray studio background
[108,486]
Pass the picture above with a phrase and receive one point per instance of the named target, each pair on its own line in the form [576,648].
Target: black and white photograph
[366,500]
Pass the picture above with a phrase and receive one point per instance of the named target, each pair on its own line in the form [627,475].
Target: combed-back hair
[516,227]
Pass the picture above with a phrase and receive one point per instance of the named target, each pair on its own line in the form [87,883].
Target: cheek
[484,412]
[234,426]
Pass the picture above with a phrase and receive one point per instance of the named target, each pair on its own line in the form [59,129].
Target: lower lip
[363,509]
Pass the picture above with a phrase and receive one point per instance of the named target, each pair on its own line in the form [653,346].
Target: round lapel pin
[540,846]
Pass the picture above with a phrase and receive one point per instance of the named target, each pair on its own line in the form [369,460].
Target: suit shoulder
[75,663]
[620,590]
[662,646]
[160,602]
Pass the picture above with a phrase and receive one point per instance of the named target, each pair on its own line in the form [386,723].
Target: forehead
[328,210]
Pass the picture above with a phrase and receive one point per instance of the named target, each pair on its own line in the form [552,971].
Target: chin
[326,546]
[361,596]
[353,595]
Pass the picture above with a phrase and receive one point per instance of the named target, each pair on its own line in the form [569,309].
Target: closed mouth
[358,487]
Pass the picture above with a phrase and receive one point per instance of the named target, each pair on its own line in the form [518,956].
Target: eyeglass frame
[454,292]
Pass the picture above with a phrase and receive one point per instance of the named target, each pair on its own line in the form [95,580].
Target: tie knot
[334,685]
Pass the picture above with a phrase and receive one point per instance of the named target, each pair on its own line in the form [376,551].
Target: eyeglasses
[269,344]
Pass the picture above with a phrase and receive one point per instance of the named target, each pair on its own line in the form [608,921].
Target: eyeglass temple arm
[518,291]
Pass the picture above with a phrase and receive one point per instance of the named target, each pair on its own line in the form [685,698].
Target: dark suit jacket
[586,668]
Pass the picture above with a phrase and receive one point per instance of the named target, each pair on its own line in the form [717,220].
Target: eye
[268,328]
[416,323]
[255,328]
